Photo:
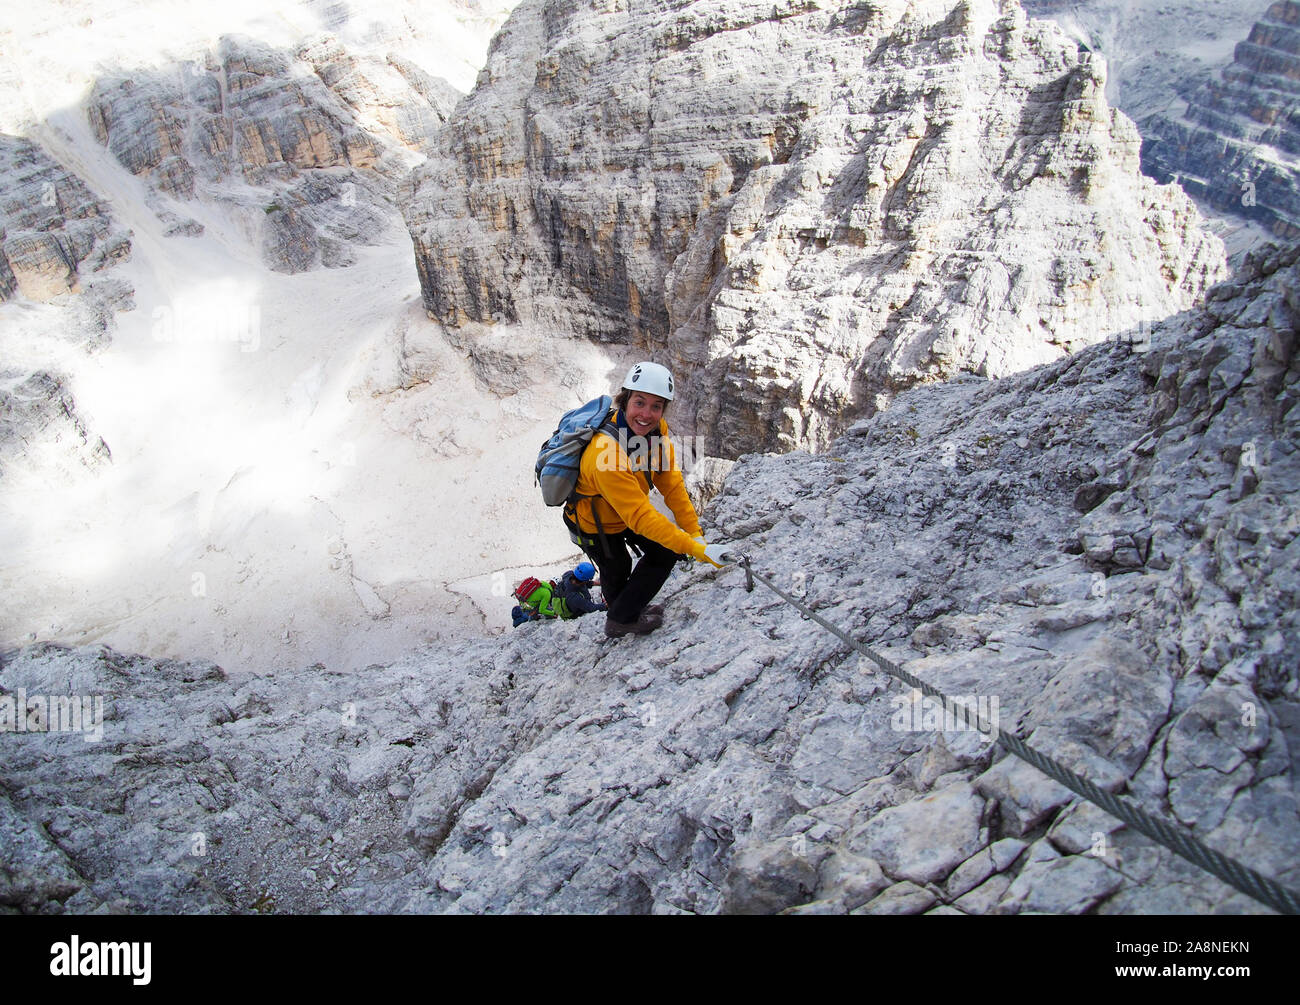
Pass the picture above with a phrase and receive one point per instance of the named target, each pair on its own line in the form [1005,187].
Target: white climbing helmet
[650,378]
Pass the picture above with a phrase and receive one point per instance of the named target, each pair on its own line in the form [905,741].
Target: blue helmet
[584,572]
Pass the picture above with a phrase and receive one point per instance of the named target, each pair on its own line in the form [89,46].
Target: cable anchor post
[749,574]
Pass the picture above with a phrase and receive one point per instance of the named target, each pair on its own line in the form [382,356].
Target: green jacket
[545,603]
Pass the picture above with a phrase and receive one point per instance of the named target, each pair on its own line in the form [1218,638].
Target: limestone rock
[34,875]
[1235,144]
[305,149]
[395,98]
[984,898]
[53,229]
[1153,53]
[802,209]
[1091,701]
[1074,884]
[995,858]
[849,880]
[56,238]
[1026,796]
[768,879]
[39,418]
[1082,828]
[556,770]
[902,898]
[924,840]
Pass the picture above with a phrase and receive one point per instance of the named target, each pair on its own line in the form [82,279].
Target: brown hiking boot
[643,625]
[655,610]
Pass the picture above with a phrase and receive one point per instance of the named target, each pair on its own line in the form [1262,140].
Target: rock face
[53,230]
[803,208]
[1157,52]
[38,415]
[56,238]
[1237,145]
[322,134]
[1103,551]
[396,98]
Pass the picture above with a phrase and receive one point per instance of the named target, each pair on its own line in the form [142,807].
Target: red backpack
[525,588]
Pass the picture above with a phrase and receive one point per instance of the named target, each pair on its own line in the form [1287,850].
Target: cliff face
[279,147]
[802,208]
[1105,546]
[303,148]
[1158,52]
[1237,145]
[56,238]
[53,229]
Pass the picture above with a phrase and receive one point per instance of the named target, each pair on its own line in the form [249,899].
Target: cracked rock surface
[54,232]
[741,758]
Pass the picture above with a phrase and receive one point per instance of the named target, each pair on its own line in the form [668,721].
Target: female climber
[614,514]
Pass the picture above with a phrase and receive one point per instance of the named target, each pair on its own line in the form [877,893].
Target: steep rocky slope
[1106,545]
[804,208]
[56,238]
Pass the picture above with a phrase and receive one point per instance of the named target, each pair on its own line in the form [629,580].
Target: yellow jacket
[608,472]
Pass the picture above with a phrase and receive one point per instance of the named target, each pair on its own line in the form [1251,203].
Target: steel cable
[1245,879]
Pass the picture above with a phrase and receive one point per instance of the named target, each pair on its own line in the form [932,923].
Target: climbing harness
[1247,880]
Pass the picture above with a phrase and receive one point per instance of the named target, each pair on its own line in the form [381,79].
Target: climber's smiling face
[644,412]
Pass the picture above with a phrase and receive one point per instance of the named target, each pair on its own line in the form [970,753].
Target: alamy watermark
[1137,339]
[75,958]
[649,453]
[915,712]
[84,714]
[188,322]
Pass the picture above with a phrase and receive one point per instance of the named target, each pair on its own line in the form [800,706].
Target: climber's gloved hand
[688,558]
[718,554]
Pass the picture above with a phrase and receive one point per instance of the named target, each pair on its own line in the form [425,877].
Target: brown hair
[621,400]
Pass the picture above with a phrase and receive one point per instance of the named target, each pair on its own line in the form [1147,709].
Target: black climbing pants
[627,590]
